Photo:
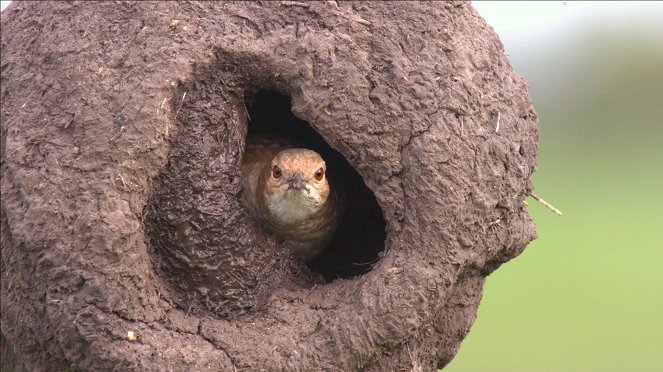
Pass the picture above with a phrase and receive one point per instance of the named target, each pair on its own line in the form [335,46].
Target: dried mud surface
[124,246]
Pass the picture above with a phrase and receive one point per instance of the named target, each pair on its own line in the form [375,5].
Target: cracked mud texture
[123,126]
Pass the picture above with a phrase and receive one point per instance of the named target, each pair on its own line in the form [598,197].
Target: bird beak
[296,182]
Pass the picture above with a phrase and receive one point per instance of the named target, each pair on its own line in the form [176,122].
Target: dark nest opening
[360,236]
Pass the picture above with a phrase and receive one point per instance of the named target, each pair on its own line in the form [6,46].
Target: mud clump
[124,245]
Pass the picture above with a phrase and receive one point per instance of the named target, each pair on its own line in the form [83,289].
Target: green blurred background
[587,295]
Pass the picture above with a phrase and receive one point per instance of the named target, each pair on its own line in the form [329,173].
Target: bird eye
[276,171]
[319,174]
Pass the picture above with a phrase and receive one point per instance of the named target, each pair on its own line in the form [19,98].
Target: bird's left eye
[319,174]
[276,171]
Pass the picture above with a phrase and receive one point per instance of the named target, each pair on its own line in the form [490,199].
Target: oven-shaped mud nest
[124,243]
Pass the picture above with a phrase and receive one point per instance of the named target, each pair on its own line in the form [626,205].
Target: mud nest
[124,245]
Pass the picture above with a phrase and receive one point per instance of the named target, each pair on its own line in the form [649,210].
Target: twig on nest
[180,106]
[295,3]
[545,204]
[353,18]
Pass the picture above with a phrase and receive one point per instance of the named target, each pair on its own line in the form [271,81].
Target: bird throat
[294,207]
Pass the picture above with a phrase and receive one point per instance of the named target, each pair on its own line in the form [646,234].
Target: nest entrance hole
[361,234]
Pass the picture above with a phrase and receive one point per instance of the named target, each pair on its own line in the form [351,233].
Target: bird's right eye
[276,171]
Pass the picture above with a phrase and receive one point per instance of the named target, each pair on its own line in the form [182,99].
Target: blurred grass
[587,295]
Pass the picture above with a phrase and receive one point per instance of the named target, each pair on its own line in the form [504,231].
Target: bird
[286,189]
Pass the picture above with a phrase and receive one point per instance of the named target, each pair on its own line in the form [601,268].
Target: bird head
[296,186]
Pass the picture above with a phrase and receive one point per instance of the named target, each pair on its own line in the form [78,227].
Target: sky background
[587,295]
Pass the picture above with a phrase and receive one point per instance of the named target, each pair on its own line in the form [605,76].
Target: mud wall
[123,243]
